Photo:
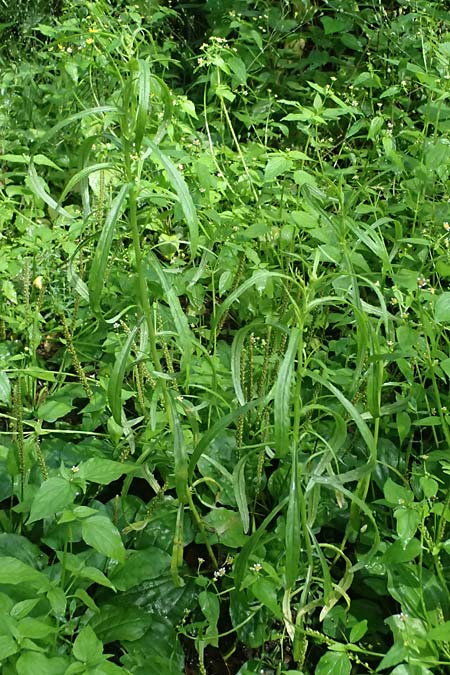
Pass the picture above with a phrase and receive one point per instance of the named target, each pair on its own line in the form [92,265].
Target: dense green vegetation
[224,337]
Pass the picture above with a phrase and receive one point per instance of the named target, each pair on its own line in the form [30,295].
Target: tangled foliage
[224,347]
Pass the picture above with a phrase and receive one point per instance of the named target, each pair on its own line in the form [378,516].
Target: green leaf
[293,525]
[33,663]
[275,166]
[241,562]
[304,178]
[400,552]
[144,79]
[81,175]
[97,576]
[5,388]
[411,669]
[397,495]
[179,453]
[440,632]
[240,492]
[442,308]
[215,430]
[429,486]
[358,630]
[140,566]
[282,395]
[117,375]
[58,601]
[35,628]
[103,471]
[72,118]
[23,608]
[87,647]
[408,521]
[8,647]
[39,188]
[121,623]
[237,67]
[209,604]
[103,536]
[9,291]
[222,91]
[265,591]
[52,496]
[98,269]
[52,410]
[179,185]
[184,333]
[228,527]
[335,663]
[13,571]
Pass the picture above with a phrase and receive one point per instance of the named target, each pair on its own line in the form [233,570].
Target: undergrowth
[224,346]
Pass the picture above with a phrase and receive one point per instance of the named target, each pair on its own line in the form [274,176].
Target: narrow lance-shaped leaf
[143,103]
[73,118]
[215,430]
[117,375]
[236,357]
[293,526]
[282,395]
[240,493]
[180,455]
[98,269]
[241,563]
[177,549]
[353,412]
[73,277]
[81,175]
[166,97]
[179,185]
[254,279]
[36,184]
[184,332]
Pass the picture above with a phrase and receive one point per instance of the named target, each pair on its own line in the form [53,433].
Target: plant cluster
[224,338]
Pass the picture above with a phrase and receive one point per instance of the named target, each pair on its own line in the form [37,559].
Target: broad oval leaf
[103,536]
[53,495]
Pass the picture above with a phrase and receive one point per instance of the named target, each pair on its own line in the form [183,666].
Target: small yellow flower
[89,41]
[93,30]
[446,226]
[38,283]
